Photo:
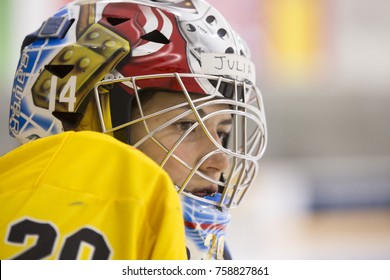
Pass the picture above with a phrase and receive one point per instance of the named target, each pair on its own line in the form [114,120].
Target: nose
[217,161]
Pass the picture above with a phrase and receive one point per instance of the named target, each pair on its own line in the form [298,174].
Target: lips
[205,191]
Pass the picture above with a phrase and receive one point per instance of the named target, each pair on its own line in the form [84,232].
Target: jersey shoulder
[83,184]
[80,160]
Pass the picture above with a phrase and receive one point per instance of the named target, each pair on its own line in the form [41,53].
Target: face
[195,146]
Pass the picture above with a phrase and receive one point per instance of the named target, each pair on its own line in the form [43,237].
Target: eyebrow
[202,113]
[227,122]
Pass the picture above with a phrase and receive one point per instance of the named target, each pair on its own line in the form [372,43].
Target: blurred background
[323,190]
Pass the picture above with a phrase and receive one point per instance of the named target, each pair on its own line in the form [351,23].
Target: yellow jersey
[86,195]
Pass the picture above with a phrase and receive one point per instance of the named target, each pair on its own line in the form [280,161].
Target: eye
[183,126]
[223,136]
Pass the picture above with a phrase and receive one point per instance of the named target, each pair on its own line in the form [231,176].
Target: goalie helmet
[88,65]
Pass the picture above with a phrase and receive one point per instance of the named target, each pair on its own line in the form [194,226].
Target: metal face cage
[243,147]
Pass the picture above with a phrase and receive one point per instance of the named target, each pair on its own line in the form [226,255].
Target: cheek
[187,153]
[151,149]
[177,170]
